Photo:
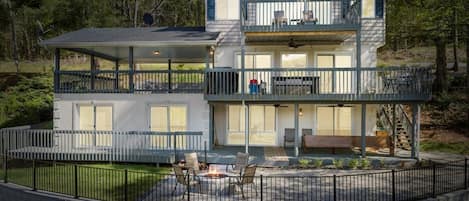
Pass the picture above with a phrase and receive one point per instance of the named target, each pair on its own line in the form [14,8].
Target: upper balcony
[299,15]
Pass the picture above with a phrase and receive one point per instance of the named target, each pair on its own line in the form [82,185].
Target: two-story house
[271,68]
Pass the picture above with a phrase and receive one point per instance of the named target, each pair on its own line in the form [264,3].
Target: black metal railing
[82,181]
[299,15]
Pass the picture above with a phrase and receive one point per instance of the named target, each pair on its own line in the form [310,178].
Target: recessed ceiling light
[157,52]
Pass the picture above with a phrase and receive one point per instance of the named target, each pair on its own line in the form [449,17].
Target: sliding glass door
[95,118]
[168,119]
[261,125]
[337,77]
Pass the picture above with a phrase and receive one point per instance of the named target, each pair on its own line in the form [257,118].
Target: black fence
[82,181]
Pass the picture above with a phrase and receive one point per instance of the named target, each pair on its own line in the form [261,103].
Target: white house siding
[285,119]
[131,111]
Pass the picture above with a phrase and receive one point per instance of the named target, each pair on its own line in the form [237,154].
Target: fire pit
[214,173]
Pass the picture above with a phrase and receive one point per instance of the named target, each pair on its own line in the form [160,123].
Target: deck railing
[155,81]
[320,83]
[299,15]
[78,145]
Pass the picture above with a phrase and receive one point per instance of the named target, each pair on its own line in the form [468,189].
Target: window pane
[234,118]
[294,60]
[368,8]
[86,117]
[159,119]
[236,134]
[325,77]
[343,79]
[178,118]
[325,124]
[103,123]
[269,118]
[227,9]
[256,118]
[343,121]
[263,61]
[343,61]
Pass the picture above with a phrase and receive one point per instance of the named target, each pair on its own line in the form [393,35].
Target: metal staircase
[403,125]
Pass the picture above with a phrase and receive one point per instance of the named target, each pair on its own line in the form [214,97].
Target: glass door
[168,119]
[95,118]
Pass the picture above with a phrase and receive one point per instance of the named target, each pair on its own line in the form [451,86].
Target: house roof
[136,37]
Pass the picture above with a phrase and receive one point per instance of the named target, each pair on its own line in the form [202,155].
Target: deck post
[57,69]
[394,132]
[210,126]
[169,77]
[131,69]
[246,132]
[363,131]
[296,129]
[207,58]
[116,82]
[93,72]
[359,61]
[415,131]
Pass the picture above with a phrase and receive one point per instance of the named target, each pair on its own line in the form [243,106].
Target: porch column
[415,153]
[57,69]
[131,69]
[359,49]
[297,127]
[93,71]
[116,82]
[363,131]
[394,131]
[210,128]
[246,124]
[207,58]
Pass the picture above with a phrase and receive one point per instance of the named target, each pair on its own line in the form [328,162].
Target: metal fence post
[75,167]
[5,176]
[335,187]
[126,184]
[434,181]
[174,144]
[34,176]
[188,187]
[205,152]
[262,191]
[393,178]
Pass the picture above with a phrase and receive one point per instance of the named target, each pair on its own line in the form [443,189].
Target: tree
[13,35]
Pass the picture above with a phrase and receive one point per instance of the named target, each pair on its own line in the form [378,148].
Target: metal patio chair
[242,160]
[247,178]
[183,179]
[289,136]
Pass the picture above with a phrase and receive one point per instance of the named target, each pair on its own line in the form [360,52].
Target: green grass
[455,148]
[96,181]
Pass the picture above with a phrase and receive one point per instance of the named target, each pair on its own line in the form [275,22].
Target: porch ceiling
[269,38]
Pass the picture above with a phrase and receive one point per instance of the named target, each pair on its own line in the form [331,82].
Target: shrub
[382,163]
[318,163]
[303,162]
[353,164]
[365,164]
[338,163]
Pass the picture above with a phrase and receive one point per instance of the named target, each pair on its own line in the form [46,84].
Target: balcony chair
[242,161]
[289,136]
[308,18]
[279,18]
[192,163]
[247,178]
[183,179]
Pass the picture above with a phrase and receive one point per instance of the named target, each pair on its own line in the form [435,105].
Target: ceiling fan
[278,105]
[293,45]
[339,105]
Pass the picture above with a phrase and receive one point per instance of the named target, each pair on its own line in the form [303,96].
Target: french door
[171,118]
[95,118]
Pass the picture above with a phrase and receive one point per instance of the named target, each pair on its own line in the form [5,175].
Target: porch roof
[181,44]
[136,37]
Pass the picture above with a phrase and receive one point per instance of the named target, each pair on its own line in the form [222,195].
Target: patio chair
[183,179]
[242,160]
[289,136]
[279,18]
[308,17]
[247,178]
[192,162]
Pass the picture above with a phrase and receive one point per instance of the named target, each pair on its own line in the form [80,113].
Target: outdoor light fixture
[301,112]
[212,50]
[156,52]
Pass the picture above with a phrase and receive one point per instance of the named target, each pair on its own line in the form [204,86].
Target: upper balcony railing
[319,84]
[299,15]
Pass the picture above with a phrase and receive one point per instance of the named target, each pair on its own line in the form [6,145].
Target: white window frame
[77,122]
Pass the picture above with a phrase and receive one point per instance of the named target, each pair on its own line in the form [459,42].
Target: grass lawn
[455,148]
[95,181]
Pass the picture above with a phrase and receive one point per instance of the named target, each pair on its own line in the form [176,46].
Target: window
[227,9]
[261,125]
[335,121]
[340,82]
[255,61]
[168,119]
[95,118]
[294,60]
[368,8]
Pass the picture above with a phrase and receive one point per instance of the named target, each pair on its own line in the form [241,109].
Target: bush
[353,164]
[338,163]
[318,163]
[365,164]
[303,162]
[30,101]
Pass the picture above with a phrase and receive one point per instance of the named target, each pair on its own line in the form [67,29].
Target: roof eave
[52,44]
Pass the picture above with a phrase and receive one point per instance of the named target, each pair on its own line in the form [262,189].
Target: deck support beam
[246,124]
[415,153]
[363,131]
[297,123]
[131,69]
[57,69]
[116,82]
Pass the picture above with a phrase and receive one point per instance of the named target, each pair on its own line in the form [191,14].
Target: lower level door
[168,119]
